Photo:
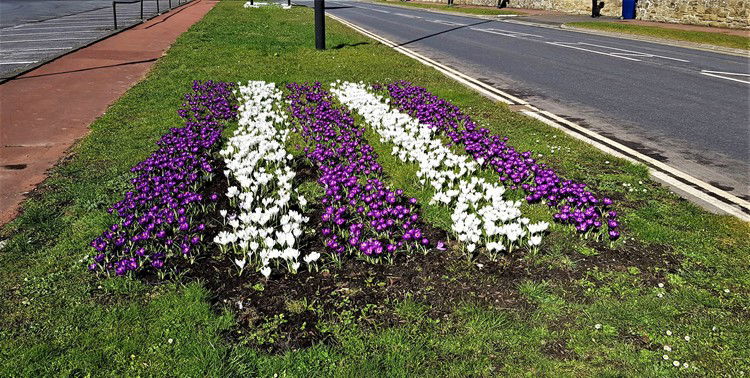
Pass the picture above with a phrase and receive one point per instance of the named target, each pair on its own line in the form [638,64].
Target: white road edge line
[657,169]
[708,73]
[34,61]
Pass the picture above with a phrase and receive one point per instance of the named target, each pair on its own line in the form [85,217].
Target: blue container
[628,9]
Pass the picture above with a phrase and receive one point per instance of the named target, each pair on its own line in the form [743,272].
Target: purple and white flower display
[574,204]
[162,217]
[480,214]
[362,216]
[171,210]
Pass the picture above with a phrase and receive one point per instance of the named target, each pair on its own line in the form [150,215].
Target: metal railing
[158,11]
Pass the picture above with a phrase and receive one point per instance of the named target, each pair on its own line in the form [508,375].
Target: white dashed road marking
[612,51]
[726,75]
[376,10]
[449,23]
[406,15]
[507,33]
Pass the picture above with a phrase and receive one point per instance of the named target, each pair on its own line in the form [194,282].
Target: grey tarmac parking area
[33,31]
[687,108]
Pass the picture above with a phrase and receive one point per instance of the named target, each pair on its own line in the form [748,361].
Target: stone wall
[722,13]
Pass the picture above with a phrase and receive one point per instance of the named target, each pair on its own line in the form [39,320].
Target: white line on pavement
[449,23]
[76,19]
[506,33]
[631,52]
[49,33]
[58,27]
[36,50]
[568,45]
[33,61]
[44,40]
[726,73]
[709,73]
[376,10]
[712,195]
[406,15]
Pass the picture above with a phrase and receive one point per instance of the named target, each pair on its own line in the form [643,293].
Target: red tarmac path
[45,111]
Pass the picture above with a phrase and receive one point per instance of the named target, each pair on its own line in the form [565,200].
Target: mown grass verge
[486,11]
[717,39]
[583,309]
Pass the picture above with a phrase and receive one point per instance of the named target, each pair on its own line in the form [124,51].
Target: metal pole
[141,9]
[170,4]
[289,3]
[157,7]
[114,13]
[320,25]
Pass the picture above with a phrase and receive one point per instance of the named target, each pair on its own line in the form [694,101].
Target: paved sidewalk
[44,112]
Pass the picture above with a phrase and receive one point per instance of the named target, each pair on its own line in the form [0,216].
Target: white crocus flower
[266,271]
[260,183]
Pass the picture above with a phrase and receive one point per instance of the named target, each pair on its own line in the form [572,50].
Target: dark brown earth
[288,312]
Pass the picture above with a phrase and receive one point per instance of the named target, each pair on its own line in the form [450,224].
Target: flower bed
[362,216]
[573,203]
[161,218]
[265,219]
[164,215]
[481,216]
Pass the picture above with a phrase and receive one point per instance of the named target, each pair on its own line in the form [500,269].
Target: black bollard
[320,25]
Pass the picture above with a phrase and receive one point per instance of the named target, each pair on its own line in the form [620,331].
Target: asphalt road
[685,107]
[35,31]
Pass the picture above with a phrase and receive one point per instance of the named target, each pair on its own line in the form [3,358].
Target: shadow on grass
[342,45]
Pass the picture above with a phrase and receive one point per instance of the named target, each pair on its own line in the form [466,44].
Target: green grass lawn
[718,39]
[582,308]
[487,11]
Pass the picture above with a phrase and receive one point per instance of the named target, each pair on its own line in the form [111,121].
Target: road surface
[35,31]
[687,108]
